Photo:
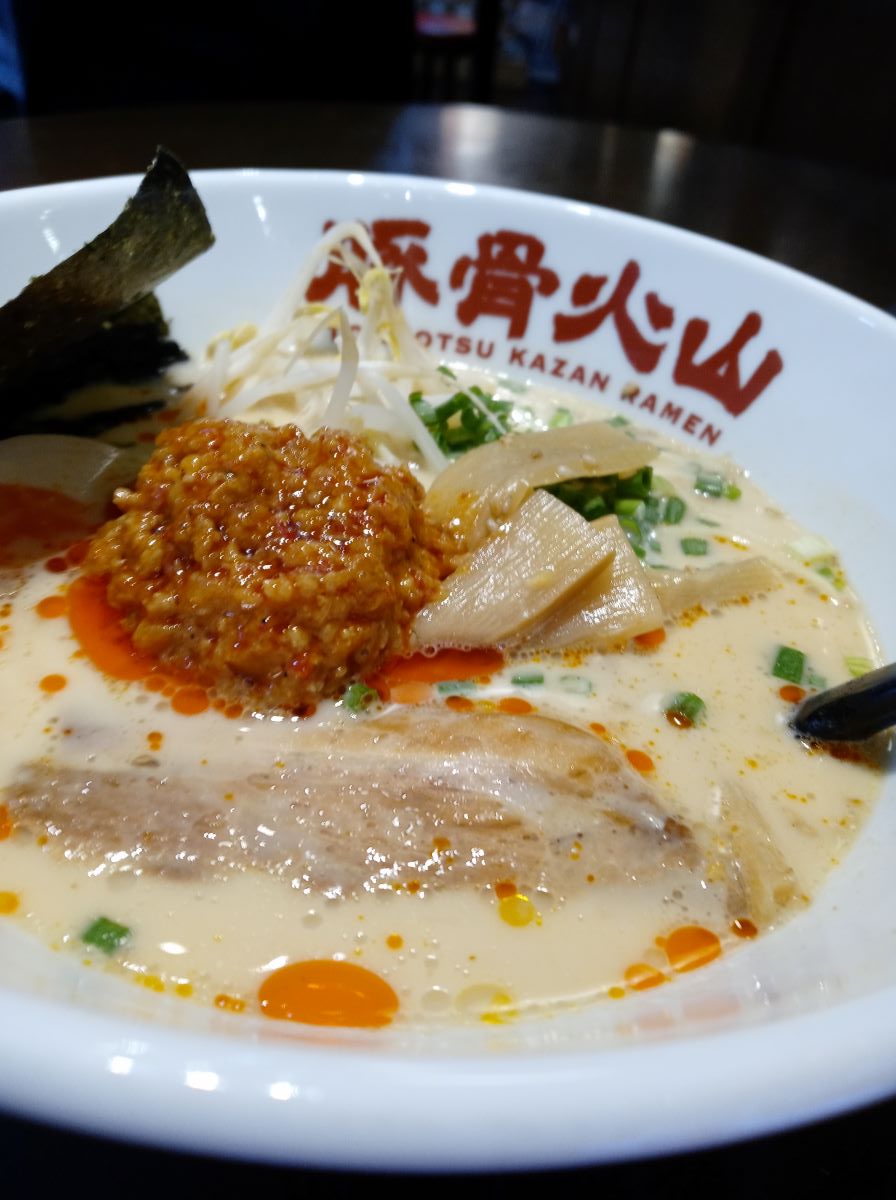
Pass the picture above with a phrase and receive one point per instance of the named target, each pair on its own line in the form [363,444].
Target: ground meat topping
[274,567]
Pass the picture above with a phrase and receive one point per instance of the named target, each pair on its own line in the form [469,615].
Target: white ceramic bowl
[794,1026]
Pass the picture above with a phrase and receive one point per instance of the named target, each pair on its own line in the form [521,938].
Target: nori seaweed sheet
[93,317]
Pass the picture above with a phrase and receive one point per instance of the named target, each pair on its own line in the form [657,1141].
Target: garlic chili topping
[275,568]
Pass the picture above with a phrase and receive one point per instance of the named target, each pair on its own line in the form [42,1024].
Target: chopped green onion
[662,486]
[616,422]
[446,371]
[632,531]
[422,408]
[594,508]
[814,680]
[696,547]
[577,685]
[561,418]
[858,665]
[629,508]
[711,524]
[789,664]
[527,678]
[105,935]
[637,485]
[674,510]
[358,696]
[813,549]
[709,484]
[449,687]
[465,420]
[687,705]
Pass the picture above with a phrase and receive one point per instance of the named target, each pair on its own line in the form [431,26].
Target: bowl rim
[444,1113]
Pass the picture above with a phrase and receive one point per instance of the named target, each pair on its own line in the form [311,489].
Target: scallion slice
[576,685]
[527,678]
[465,420]
[674,510]
[709,484]
[452,687]
[688,707]
[789,664]
[105,935]
[694,546]
[858,665]
[561,418]
[358,696]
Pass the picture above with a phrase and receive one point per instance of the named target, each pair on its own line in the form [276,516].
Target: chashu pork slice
[416,798]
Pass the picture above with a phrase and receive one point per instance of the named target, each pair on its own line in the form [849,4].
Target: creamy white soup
[484,832]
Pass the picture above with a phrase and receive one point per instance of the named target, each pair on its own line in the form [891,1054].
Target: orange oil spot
[517,910]
[651,639]
[446,664]
[98,630]
[183,989]
[679,719]
[441,844]
[410,693]
[413,886]
[690,947]
[327,992]
[189,701]
[232,711]
[36,520]
[641,976]
[77,552]
[9,902]
[5,823]
[395,941]
[53,683]
[51,606]
[154,739]
[616,993]
[56,565]
[791,693]
[229,1003]
[743,928]
[640,761]
[505,888]
[597,728]
[515,706]
[460,703]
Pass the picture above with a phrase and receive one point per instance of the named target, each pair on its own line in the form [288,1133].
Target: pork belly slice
[416,799]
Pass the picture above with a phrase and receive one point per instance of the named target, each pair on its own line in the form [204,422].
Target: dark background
[812,78]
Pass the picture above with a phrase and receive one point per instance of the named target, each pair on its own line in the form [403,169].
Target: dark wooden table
[836,226]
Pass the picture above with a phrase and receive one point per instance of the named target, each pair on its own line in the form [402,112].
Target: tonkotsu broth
[467,953]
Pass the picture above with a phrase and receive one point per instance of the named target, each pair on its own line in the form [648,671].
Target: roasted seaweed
[93,318]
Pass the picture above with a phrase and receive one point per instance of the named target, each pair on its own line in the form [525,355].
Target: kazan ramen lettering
[510,273]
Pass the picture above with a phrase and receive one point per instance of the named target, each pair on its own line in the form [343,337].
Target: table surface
[828,223]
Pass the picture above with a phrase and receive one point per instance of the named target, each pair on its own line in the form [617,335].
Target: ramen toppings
[266,563]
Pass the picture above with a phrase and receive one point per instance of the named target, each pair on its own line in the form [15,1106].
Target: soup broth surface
[467,952]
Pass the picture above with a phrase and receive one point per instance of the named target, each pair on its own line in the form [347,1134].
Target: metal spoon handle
[852,711]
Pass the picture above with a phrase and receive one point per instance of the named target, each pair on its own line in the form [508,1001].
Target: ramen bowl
[723,350]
